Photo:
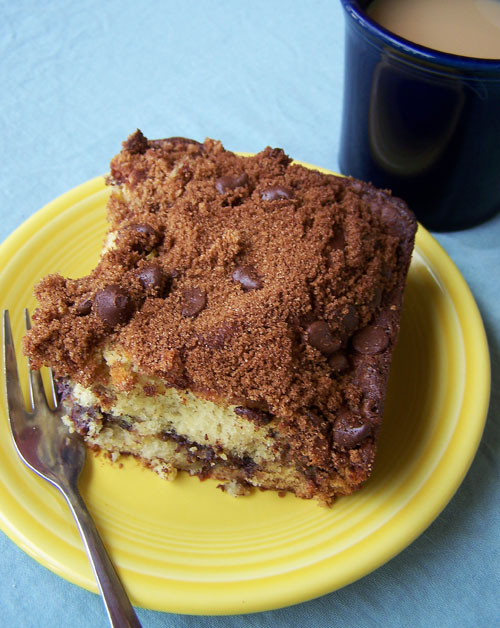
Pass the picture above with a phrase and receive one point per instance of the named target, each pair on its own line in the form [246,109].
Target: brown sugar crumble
[251,282]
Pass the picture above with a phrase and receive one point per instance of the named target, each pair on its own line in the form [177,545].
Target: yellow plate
[186,547]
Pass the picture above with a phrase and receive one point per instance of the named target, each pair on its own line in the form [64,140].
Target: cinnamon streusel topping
[251,280]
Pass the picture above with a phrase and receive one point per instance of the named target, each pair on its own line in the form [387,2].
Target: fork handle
[118,606]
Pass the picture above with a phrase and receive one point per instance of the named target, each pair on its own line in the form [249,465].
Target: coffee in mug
[469,28]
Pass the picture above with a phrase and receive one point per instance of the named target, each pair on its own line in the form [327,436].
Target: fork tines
[15,399]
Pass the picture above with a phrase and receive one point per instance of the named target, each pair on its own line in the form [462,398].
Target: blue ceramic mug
[422,123]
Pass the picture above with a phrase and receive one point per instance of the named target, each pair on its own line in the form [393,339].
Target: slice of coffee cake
[240,322]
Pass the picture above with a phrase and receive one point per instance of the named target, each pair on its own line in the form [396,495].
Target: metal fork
[47,447]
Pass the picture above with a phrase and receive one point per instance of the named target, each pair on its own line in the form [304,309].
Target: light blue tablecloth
[76,79]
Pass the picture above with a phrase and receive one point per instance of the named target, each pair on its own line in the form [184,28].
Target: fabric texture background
[76,79]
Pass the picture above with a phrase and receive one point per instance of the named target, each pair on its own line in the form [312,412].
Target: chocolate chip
[279,155]
[349,319]
[153,279]
[219,337]
[113,305]
[137,143]
[259,417]
[63,388]
[247,276]
[84,307]
[111,419]
[370,340]
[338,361]
[144,229]
[369,379]
[276,192]
[227,182]
[350,428]
[320,337]
[372,409]
[146,237]
[175,142]
[194,301]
